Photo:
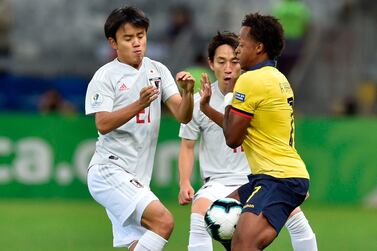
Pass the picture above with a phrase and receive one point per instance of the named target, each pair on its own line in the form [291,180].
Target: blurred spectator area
[52,40]
[22,93]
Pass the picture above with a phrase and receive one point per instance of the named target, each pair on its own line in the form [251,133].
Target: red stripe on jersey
[241,113]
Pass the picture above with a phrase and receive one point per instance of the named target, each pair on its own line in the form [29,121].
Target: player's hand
[186,81]
[206,92]
[186,194]
[147,95]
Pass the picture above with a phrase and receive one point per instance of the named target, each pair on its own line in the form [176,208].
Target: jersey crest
[155,82]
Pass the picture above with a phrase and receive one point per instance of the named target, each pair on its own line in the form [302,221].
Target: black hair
[219,39]
[268,31]
[120,16]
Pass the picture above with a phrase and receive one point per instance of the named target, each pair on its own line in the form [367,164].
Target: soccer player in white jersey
[125,95]
[223,169]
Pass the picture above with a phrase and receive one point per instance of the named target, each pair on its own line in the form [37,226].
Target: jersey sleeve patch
[241,113]
[240,96]
[96,100]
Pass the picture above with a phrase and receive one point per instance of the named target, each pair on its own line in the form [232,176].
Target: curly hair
[268,31]
[221,38]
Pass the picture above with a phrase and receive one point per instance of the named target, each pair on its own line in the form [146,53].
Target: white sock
[150,241]
[302,236]
[199,239]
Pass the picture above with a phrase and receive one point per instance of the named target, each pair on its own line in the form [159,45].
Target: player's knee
[256,242]
[239,242]
[168,222]
[164,224]
[157,218]
[201,206]
[265,238]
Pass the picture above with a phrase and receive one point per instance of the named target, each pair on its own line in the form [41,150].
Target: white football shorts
[124,199]
[214,190]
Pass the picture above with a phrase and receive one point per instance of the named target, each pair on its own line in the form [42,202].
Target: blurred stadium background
[49,50]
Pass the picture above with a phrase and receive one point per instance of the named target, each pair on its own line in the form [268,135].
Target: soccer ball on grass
[222,217]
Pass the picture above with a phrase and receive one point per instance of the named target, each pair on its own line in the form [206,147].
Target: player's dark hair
[123,15]
[268,31]
[219,39]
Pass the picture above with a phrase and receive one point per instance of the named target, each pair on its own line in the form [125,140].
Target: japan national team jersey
[265,95]
[116,85]
[217,160]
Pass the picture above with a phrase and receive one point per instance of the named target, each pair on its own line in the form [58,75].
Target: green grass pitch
[66,225]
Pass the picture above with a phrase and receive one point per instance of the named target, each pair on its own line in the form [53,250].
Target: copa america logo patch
[240,96]
[155,82]
[96,100]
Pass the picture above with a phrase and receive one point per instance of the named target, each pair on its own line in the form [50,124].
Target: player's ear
[210,63]
[259,48]
[112,43]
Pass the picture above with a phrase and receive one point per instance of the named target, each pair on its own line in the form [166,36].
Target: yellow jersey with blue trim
[265,96]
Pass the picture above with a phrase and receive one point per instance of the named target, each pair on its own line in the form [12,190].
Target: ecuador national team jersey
[264,95]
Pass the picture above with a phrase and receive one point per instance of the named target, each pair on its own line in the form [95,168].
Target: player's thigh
[295,211]
[118,191]
[253,231]
[234,195]
[201,205]
[156,216]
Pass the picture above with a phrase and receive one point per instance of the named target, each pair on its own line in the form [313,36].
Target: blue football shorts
[274,197]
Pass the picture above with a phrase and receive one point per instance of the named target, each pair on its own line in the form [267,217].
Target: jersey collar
[263,64]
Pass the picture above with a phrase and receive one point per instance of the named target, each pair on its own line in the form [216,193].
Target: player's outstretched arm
[108,121]
[185,165]
[182,106]
[205,96]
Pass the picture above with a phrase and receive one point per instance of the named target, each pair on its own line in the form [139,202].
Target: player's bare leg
[234,195]
[157,218]
[159,222]
[252,238]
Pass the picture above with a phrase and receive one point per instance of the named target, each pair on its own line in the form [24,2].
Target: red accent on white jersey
[123,87]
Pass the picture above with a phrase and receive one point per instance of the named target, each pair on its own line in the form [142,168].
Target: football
[222,217]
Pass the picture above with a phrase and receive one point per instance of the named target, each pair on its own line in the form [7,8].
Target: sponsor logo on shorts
[136,183]
[249,206]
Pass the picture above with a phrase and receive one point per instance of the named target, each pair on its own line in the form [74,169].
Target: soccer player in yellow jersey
[259,116]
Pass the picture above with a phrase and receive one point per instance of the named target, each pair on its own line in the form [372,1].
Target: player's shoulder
[105,71]
[150,62]
[256,79]
[247,80]
[252,76]
[247,76]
